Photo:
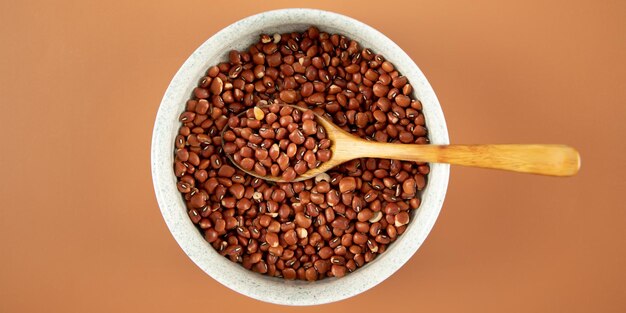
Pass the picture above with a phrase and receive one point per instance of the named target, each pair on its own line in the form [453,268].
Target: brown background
[80,83]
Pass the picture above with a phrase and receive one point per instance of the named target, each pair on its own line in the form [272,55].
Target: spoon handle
[553,160]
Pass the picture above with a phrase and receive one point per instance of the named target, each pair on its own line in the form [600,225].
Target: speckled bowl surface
[239,36]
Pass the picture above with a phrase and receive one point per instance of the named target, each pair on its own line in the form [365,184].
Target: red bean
[323,227]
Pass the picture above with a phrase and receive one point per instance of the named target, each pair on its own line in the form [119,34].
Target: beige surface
[81,81]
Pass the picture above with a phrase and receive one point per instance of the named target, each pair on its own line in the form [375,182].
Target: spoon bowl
[337,134]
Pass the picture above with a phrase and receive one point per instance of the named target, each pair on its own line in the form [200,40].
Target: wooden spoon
[552,160]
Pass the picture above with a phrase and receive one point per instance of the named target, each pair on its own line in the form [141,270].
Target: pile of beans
[316,228]
[277,140]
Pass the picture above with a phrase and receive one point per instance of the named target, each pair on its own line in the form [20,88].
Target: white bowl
[239,36]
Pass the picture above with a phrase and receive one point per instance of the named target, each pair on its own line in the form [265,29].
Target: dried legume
[323,227]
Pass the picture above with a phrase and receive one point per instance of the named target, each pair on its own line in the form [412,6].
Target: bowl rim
[261,287]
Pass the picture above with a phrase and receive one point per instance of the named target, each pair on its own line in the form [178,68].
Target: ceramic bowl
[275,290]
